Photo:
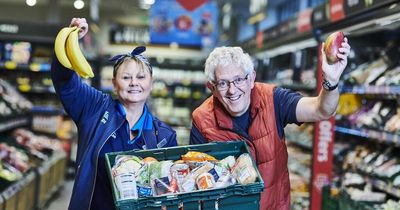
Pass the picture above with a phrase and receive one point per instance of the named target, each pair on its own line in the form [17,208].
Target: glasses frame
[245,78]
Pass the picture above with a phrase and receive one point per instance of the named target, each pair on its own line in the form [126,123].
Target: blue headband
[135,53]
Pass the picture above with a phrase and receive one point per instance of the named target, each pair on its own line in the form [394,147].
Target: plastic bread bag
[225,181]
[227,162]
[243,170]
[126,164]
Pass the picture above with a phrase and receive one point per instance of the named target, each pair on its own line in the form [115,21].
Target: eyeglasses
[222,85]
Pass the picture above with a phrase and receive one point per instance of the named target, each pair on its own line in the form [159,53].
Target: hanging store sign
[120,34]
[319,15]
[304,20]
[352,7]
[186,23]
[336,10]
[324,136]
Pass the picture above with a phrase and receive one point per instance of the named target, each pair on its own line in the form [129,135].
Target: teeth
[234,98]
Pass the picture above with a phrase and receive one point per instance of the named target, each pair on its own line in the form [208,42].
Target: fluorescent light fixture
[79,4]
[150,2]
[31,3]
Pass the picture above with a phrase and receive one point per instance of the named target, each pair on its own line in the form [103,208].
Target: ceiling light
[31,3]
[150,2]
[79,4]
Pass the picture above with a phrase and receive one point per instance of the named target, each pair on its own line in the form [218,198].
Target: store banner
[336,10]
[122,34]
[352,7]
[319,15]
[186,23]
[324,135]
[304,20]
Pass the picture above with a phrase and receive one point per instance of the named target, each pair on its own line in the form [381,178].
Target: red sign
[259,39]
[324,136]
[336,10]
[191,5]
[304,20]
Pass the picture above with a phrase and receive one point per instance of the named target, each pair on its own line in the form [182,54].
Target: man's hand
[332,72]
[81,24]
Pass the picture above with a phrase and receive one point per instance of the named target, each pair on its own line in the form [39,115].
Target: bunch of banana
[68,52]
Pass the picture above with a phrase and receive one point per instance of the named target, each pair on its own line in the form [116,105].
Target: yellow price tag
[10,65]
[34,67]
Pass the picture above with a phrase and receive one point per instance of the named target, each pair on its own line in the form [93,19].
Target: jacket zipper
[97,161]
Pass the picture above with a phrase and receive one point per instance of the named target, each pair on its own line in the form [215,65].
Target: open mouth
[134,91]
[234,98]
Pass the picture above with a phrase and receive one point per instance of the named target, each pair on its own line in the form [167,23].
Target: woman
[107,125]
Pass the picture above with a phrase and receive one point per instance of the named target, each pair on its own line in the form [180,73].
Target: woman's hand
[81,24]
[332,72]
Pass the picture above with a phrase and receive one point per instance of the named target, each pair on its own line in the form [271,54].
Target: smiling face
[236,98]
[132,82]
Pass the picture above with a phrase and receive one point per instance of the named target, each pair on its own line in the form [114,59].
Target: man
[242,109]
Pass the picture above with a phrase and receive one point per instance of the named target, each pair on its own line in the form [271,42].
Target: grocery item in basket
[126,185]
[225,181]
[126,164]
[207,166]
[160,185]
[197,156]
[149,159]
[188,185]
[205,181]
[144,191]
[243,170]
[142,176]
[160,169]
[227,162]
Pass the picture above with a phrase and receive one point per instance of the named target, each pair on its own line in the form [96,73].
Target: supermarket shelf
[388,90]
[46,110]
[380,136]
[293,85]
[301,144]
[34,67]
[384,186]
[8,123]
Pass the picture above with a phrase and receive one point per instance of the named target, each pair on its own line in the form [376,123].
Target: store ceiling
[124,11]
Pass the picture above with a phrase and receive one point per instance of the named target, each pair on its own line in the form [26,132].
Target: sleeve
[195,136]
[285,103]
[79,100]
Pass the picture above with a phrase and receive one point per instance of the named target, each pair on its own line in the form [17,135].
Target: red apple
[332,45]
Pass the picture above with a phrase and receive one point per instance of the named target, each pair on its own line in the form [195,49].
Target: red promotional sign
[324,136]
[259,39]
[336,10]
[191,5]
[304,20]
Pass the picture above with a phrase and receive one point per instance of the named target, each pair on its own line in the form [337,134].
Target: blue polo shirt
[118,141]
[285,103]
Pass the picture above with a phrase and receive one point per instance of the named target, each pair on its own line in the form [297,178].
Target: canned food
[181,169]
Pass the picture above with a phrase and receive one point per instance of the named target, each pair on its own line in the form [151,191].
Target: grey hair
[223,56]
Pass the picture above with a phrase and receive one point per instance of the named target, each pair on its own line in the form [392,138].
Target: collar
[145,121]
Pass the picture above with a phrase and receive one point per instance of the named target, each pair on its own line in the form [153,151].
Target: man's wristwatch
[327,86]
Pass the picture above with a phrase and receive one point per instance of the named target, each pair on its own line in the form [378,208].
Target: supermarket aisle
[61,199]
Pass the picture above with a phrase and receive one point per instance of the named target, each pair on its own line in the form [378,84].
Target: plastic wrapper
[197,156]
[225,181]
[126,185]
[227,162]
[126,164]
[160,169]
[243,170]
[205,181]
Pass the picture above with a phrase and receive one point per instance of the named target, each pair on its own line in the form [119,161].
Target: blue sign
[171,22]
